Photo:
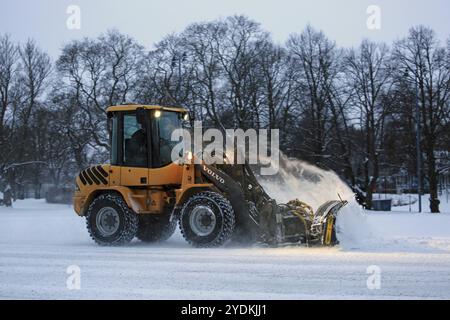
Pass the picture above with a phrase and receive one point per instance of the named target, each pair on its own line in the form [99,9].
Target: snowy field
[38,241]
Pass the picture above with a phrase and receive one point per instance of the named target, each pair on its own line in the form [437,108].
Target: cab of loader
[143,193]
[142,137]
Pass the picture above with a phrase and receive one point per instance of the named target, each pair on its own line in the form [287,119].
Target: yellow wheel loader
[142,193]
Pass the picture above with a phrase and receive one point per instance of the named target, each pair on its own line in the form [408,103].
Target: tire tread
[131,220]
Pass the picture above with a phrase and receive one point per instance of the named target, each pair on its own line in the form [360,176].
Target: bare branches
[349,110]
[100,73]
[8,69]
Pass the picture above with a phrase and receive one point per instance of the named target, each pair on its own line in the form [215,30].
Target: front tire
[110,221]
[207,220]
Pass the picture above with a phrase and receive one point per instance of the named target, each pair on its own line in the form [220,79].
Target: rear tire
[110,221]
[155,228]
[207,220]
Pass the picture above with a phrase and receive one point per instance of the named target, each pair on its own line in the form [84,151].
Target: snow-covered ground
[39,241]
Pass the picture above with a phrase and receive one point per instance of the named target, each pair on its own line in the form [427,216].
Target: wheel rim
[202,221]
[107,221]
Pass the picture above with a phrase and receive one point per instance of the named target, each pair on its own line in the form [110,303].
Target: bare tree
[343,144]
[369,73]
[275,81]
[99,73]
[314,58]
[35,71]
[238,54]
[202,40]
[8,71]
[166,73]
[427,66]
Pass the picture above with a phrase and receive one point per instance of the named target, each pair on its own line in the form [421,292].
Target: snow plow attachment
[297,223]
[261,219]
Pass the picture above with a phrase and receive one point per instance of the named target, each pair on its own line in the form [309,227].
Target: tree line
[352,110]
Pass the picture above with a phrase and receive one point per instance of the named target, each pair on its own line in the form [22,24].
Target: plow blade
[324,222]
[300,225]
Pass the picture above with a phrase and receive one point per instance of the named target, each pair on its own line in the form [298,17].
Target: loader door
[162,170]
[163,124]
[130,148]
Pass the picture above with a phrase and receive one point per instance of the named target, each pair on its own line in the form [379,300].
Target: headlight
[188,157]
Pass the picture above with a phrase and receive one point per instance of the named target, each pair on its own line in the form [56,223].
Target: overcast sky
[149,20]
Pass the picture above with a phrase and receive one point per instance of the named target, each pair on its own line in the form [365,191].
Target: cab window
[134,141]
